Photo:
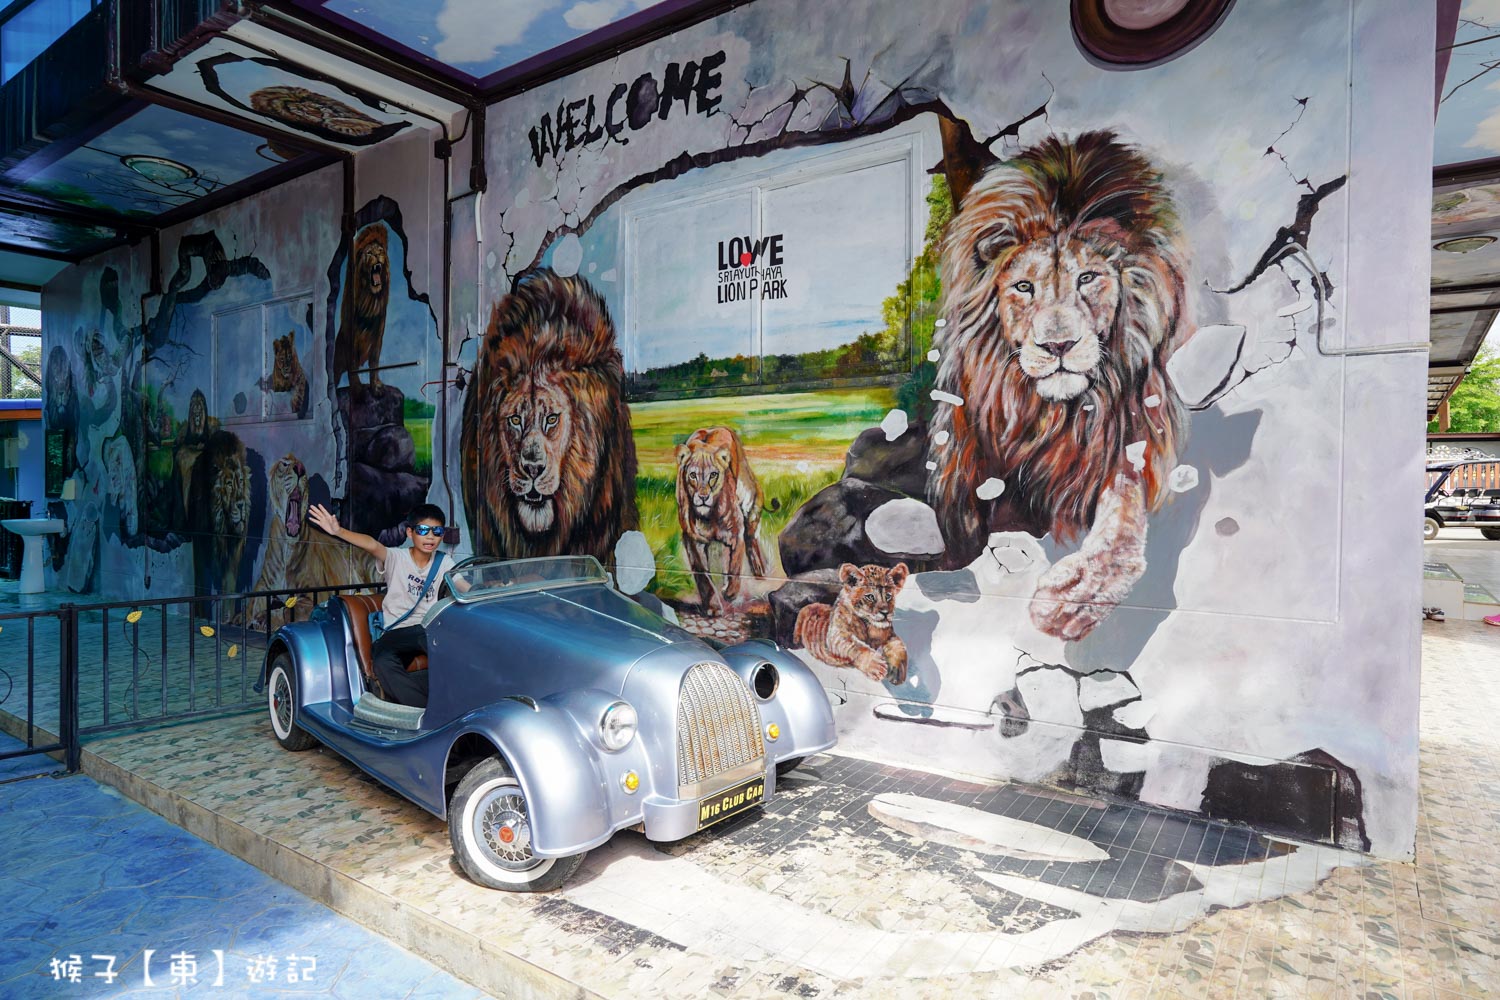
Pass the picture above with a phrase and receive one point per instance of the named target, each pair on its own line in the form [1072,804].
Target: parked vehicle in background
[1462,493]
[560,711]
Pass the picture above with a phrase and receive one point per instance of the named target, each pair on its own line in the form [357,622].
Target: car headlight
[617,726]
[765,680]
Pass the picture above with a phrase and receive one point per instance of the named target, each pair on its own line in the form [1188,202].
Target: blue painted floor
[87,874]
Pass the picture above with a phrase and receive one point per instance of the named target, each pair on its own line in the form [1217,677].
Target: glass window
[26,33]
[797,275]
[261,358]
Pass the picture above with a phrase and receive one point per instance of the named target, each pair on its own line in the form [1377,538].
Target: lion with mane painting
[361,331]
[549,461]
[1064,296]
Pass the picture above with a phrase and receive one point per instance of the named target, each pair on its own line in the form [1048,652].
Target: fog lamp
[630,782]
[773,732]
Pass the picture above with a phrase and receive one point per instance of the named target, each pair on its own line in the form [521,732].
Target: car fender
[308,644]
[557,767]
[799,707]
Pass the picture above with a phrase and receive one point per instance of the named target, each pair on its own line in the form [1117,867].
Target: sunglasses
[427,529]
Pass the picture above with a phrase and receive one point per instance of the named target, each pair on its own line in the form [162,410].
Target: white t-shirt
[403,582]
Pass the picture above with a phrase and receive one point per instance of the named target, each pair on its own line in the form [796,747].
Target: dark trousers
[389,657]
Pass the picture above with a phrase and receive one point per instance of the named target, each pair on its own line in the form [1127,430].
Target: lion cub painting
[718,501]
[857,631]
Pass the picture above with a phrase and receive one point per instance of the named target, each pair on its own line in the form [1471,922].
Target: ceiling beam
[1465,174]
[66,258]
[1478,286]
[13,201]
[1446,310]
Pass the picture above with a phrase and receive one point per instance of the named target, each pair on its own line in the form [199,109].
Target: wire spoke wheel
[504,829]
[489,825]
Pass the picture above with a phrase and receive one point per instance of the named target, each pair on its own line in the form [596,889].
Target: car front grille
[718,725]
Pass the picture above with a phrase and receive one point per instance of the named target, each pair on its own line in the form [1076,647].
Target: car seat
[370,704]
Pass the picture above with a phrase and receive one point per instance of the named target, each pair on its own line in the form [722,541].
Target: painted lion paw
[1080,591]
[873,667]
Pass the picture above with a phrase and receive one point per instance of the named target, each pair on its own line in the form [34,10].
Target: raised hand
[323,518]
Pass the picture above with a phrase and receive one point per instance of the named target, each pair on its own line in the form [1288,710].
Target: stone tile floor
[825,894]
[86,873]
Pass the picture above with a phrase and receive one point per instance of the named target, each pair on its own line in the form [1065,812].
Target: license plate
[731,801]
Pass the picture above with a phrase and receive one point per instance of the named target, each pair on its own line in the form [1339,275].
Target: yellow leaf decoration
[290,602]
[234,650]
[134,616]
[207,630]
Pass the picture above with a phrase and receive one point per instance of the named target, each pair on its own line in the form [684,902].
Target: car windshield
[478,578]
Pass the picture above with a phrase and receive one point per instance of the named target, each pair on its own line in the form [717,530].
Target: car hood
[547,641]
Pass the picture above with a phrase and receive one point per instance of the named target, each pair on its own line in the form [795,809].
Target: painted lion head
[303,108]
[372,268]
[704,463]
[549,459]
[197,421]
[1063,296]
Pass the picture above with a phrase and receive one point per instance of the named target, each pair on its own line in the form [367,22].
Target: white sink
[29,526]
[31,530]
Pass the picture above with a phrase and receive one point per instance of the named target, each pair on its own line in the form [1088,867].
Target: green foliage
[1474,406]
[796,443]
[417,408]
[656,501]
[21,385]
[421,441]
[920,294]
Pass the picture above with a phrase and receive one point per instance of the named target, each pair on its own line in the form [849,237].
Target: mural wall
[1038,385]
[992,364]
[280,366]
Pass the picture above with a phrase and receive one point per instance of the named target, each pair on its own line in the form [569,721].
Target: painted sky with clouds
[1468,124]
[480,37]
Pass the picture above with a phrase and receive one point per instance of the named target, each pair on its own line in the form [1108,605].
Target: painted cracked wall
[1000,381]
[281,365]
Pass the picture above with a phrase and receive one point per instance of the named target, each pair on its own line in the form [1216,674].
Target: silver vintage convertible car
[560,711]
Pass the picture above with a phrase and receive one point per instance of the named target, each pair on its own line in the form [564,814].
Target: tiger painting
[297,558]
[856,631]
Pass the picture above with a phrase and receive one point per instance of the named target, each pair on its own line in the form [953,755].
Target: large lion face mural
[549,462]
[1063,298]
[1058,301]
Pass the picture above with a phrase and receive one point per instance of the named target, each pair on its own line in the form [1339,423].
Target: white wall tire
[281,703]
[1430,528]
[489,825]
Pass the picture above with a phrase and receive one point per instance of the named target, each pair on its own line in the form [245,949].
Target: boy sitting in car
[411,588]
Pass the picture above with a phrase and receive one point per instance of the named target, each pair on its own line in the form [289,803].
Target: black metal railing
[103,668]
[57,670]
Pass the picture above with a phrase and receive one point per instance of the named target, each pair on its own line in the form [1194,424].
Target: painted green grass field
[795,443]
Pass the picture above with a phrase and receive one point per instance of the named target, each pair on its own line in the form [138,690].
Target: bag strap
[437,557]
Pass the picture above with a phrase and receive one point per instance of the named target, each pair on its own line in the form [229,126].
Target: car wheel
[281,701]
[489,825]
[1493,534]
[785,767]
[1430,526]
